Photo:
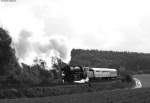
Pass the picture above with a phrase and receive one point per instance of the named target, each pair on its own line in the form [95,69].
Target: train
[102,73]
[77,73]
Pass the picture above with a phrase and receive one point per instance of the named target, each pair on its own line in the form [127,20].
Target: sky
[119,25]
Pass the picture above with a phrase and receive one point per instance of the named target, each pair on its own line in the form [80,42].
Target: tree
[8,59]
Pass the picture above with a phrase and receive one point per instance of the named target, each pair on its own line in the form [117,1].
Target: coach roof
[103,69]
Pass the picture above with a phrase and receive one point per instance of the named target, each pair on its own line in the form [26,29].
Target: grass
[60,90]
[115,96]
[98,95]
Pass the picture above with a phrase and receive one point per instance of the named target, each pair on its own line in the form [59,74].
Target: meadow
[104,96]
[115,96]
[62,89]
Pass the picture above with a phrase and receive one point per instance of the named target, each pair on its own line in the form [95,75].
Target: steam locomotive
[76,73]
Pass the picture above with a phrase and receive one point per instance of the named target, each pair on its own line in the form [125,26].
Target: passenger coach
[102,73]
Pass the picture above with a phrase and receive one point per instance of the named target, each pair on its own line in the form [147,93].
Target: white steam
[28,48]
[30,39]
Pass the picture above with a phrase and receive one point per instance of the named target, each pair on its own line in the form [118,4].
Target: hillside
[132,61]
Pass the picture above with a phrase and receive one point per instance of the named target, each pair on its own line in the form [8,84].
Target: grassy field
[61,90]
[116,96]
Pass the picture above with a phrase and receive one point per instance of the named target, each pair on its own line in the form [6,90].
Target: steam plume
[30,39]
[28,50]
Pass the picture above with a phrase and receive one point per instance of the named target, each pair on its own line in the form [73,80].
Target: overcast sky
[122,25]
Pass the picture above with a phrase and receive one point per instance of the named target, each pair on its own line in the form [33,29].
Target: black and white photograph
[74,51]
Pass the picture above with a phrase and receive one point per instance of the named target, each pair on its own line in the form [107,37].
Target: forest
[132,62]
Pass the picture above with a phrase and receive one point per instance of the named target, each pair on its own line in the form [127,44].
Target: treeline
[131,61]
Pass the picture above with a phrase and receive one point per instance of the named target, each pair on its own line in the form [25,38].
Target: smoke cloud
[53,46]
[30,39]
